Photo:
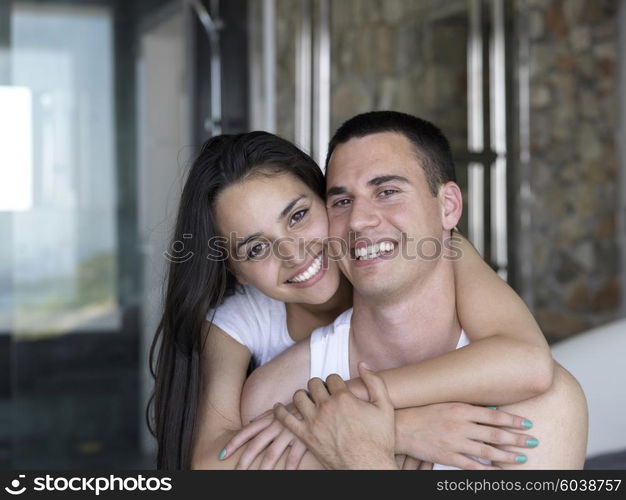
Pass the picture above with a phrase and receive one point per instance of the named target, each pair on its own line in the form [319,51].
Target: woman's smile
[309,275]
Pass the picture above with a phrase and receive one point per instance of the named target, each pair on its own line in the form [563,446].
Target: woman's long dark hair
[199,284]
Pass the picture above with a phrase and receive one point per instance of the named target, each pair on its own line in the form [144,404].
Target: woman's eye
[298,216]
[257,250]
[341,203]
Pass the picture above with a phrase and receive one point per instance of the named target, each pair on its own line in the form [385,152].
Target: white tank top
[330,353]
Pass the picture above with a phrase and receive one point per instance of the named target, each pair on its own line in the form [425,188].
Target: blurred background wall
[103,103]
[574,163]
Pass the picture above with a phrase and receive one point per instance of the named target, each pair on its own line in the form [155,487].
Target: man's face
[379,202]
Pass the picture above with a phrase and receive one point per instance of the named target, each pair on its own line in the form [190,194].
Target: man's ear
[451,204]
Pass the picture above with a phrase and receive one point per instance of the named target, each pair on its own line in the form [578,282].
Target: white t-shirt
[256,321]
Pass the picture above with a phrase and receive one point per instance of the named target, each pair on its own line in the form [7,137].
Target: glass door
[59,208]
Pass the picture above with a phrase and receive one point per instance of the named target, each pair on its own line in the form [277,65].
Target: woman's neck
[302,319]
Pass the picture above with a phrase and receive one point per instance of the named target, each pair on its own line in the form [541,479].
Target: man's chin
[373,289]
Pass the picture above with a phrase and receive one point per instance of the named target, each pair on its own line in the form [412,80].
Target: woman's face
[276,228]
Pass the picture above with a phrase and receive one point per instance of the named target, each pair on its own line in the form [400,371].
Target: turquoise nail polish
[491,407]
[222,454]
[521,459]
[527,423]
[532,442]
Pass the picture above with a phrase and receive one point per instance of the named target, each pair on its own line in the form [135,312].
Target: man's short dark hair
[431,146]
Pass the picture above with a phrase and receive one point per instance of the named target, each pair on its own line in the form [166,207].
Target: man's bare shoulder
[276,381]
[293,362]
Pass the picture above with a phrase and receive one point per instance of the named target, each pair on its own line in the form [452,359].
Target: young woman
[256,190]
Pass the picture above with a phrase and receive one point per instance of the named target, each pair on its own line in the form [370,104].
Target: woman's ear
[451,204]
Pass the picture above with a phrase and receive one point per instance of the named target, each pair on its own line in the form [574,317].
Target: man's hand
[342,431]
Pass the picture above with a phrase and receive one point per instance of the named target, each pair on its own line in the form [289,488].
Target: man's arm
[560,421]
[276,381]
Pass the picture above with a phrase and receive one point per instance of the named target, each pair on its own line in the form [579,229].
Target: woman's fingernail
[527,423]
[532,442]
[222,454]
[521,459]
[491,407]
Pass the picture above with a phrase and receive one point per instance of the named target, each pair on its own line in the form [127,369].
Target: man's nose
[364,215]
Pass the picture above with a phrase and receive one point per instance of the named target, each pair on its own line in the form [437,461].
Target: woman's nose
[290,251]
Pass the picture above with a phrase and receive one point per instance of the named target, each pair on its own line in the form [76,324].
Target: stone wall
[574,162]
[407,55]
[397,54]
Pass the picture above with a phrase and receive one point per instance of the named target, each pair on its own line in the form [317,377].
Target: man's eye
[341,203]
[387,192]
[257,250]
[298,216]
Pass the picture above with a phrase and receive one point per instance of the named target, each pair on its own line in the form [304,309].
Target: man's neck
[419,325]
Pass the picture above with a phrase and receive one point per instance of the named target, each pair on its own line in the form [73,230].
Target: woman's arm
[229,399]
[224,366]
[487,306]
[442,433]
[507,361]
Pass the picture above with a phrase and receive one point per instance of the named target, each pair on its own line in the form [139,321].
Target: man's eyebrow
[377,181]
[247,239]
[289,206]
[335,190]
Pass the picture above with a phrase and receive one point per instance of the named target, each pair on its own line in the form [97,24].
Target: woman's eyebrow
[247,239]
[289,206]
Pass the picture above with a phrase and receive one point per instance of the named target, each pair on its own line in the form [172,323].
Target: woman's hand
[268,437]
[451,433]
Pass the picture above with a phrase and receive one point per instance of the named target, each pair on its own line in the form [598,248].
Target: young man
[391,194]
